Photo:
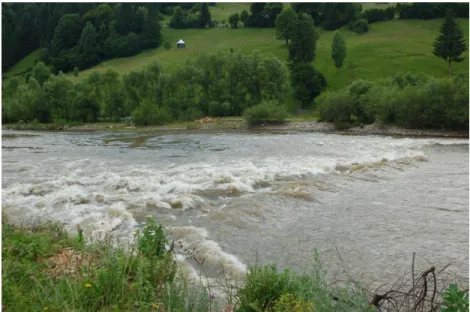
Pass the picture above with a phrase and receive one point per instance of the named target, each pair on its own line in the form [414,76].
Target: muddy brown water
[228,197]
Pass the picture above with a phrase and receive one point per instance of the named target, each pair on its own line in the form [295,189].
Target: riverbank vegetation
[46,269]
[410,101]
[228,82]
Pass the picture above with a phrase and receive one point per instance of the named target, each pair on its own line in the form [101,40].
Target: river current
[231,197]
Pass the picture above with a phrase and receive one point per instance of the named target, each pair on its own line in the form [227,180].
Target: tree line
[218,84]
[79,34]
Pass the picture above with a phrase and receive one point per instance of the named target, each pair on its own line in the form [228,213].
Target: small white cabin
[181,44]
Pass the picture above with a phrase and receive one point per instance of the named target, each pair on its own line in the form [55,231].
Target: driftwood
[410,292]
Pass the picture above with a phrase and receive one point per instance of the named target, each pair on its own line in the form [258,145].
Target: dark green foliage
[263,15]
[76,34]
[412,101]
[153,240]
[338,49]
[375,15]
[31,103]
[205,16]
[44,56]
[336,15]
[431,10]
[390,12]
[307,83]
[450,44]
[76,71]
[244,16]
[303,39]
[336,106]
[84,107]
[40,72]
[219,84]
[264,285]
[191,16]
[329,15]
[103,14]
[268,112]
[67,33]
[360,26]
[455,299]
[285,24]
[88,47]
[149,114]
[233,20]
[20,32]
[167,45]
[59,92]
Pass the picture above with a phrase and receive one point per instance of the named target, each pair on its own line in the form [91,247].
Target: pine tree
[88,46]
[450,43]
[205,16]
[338,49]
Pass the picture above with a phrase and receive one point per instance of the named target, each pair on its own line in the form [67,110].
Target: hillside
[388,48]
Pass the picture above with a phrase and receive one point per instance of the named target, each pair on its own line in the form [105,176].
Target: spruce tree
[450,44]
[205,16]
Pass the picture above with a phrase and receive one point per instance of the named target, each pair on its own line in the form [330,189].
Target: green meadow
[389,48]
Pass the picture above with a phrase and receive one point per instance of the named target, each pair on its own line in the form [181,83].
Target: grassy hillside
[24,64]
[388,48]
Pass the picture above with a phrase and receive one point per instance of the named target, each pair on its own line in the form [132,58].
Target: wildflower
[46,308]
[88,285]
[155,305]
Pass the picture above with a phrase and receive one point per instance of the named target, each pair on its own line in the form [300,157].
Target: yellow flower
[155,305]
[46,308]
[88,285]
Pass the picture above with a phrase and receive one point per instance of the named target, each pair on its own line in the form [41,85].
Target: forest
[73,37]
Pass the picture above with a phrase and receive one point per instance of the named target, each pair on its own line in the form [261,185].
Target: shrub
[360,26]
[167,45]
[410,100]
[264,286]
[289,302]
[153,240]
[268,112]
[455,300]
[148,114]
[337,106]
[76,72]
[217,109]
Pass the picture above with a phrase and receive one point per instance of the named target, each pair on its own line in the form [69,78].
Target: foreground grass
[44,269]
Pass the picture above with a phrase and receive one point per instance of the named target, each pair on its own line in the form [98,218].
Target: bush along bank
[412,101]
[45,269]
[218,84]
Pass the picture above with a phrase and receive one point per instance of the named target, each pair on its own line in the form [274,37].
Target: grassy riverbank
[45,269]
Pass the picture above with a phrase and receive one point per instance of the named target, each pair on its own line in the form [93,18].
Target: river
[372,200]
